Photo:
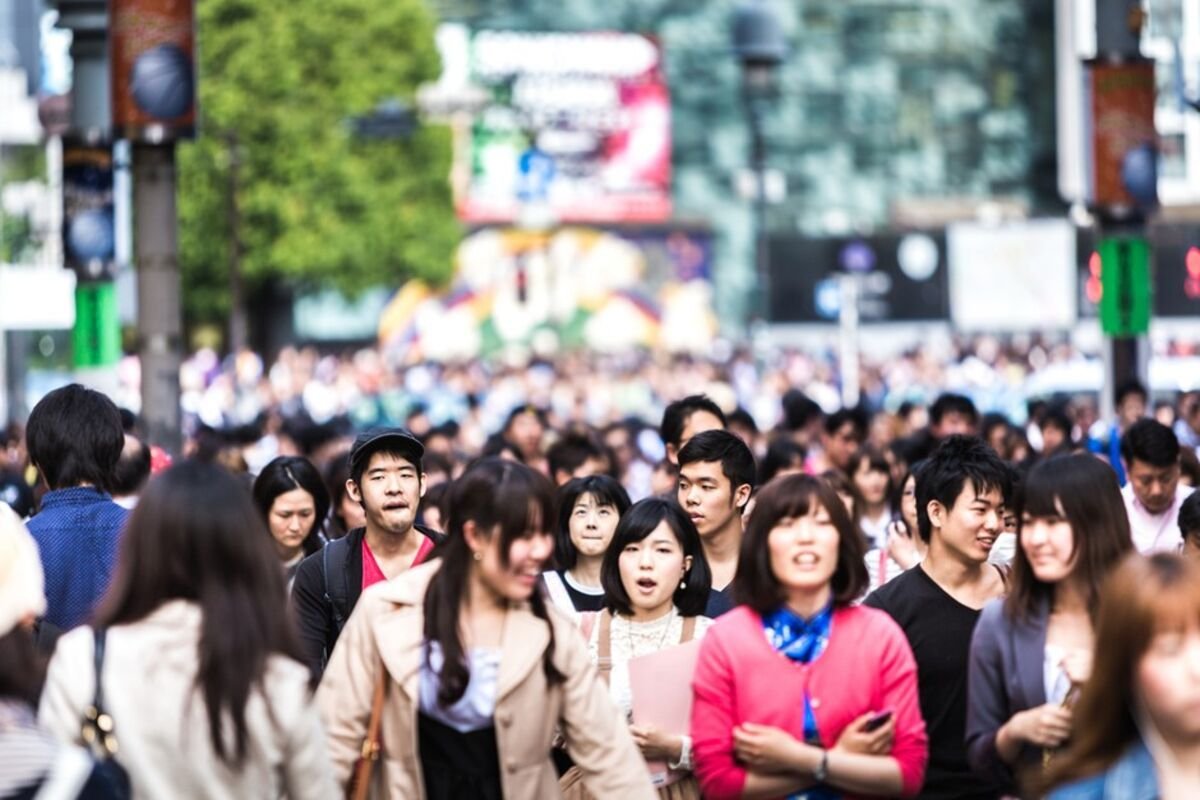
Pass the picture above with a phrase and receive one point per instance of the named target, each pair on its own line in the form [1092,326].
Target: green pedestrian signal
[96,339]
[1125,286]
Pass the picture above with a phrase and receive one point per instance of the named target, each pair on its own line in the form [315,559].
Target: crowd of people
[918,602]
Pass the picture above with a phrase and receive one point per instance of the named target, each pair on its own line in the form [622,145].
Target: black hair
[435,498]
[1128,388]
[605,490]
[798,410]
[839,418]
[876,461]
[496,495]
[74,436]
[951,403]
[737,462]
[195,535]
[132,469]
[437,462]
[496,445]
[782,453]
[1057,417]
[740,416]
[528,408]
[957,461]
[635,525]
[574,450]
[284,474]
[22,668]
[1084,491]
[1150,442]
[991,421]
[337,472]
[795,496]
[677,414]
[1189,516]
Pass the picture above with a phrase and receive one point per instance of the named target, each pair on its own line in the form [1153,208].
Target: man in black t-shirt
[961,495]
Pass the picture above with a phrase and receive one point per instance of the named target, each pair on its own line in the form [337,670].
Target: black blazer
[1006,675]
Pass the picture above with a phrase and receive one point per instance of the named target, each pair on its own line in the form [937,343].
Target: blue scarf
[803,641]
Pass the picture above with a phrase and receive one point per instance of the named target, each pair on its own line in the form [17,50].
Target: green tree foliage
[278,83]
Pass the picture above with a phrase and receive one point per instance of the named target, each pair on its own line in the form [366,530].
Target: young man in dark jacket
[387,480]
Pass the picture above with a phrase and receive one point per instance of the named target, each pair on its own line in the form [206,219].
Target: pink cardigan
[867,666]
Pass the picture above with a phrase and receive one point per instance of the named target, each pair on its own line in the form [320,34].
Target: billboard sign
[575,127]
[89,238]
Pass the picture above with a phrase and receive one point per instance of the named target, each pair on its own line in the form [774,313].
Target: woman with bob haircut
[798,690]
[477,671]
[293,501]
[1032,650]
[588,511]
[656,584]
[202,674]
[1137,730]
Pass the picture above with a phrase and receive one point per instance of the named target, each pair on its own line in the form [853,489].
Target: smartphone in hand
[878,720]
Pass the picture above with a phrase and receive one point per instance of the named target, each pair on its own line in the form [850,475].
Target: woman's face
[804,550]
[908,503]
[1168,683]
[592,525]
[651,571]
[527,557]
[1049,546]
[291,519]
[871,483]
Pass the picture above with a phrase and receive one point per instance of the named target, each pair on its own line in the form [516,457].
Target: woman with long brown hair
[201,670]
[1137,723]
[1032,650]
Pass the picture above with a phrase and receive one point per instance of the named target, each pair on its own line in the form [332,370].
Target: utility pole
[153,99]
[1122,186]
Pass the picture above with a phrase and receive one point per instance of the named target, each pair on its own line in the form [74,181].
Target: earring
[683,582]
[478,556]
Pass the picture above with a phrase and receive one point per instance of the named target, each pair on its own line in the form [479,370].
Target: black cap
[374,439]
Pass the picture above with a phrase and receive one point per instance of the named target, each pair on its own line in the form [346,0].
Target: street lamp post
[759,45]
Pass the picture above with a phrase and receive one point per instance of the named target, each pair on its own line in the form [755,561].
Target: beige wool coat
[162,724]
[386,631]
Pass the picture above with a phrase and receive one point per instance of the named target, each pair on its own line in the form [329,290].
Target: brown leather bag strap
[360,787]
[689,630]
[604,645]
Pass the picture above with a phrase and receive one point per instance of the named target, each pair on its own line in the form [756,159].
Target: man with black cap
[386,479]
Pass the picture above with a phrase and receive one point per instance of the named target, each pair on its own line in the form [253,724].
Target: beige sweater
[161,722]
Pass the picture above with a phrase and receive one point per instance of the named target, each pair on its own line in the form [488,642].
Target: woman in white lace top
[656,583]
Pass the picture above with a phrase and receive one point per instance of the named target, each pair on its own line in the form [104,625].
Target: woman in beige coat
[201,671]
[479,672]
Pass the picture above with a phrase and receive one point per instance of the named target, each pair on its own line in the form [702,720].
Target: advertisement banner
[575,127]
[89,243]
[153,69]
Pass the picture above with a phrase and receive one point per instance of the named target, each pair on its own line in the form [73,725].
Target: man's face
[969,527]
[841,445]
[1132,408]
[390,491]
[952,423]
[708,497]
[1154,486]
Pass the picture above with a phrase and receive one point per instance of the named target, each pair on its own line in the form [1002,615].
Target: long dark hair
[1083,490]
[288,473]
[636,525]
[196,536]
[1142,597]
[503,498]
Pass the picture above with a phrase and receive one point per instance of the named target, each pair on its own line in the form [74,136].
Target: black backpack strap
[333,557]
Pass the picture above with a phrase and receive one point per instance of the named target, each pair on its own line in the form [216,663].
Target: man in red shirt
[387,480]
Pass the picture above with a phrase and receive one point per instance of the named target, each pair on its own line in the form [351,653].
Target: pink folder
[661,684]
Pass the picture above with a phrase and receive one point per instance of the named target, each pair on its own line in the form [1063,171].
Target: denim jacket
[1131,777]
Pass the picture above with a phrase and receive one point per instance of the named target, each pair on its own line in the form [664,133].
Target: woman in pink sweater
[797,692]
